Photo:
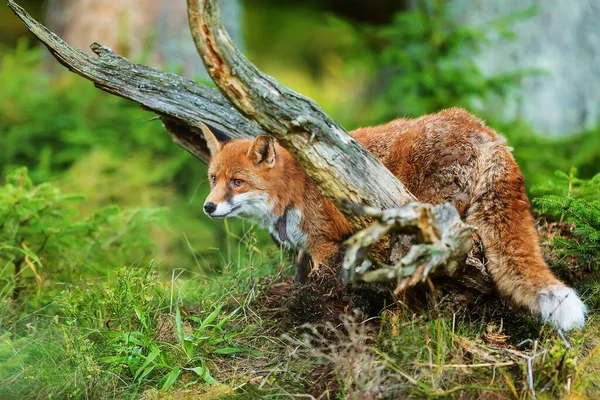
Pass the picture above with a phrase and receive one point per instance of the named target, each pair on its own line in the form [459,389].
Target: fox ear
[214,145]
[263,149]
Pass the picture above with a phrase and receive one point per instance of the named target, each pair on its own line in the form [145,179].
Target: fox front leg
[303,266]
[322,255]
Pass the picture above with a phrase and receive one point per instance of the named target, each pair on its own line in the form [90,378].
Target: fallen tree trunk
[339,165]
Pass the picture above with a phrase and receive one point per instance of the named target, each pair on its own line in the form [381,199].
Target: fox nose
[210,208]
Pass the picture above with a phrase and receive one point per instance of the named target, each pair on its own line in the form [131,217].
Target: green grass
[140,334]
[137,331]
[85,326]
[235,328]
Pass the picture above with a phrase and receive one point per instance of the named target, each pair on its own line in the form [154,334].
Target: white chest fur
[295,237]
[257,208]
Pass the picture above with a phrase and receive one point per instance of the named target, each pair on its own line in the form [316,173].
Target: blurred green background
[107,260]
[365,62]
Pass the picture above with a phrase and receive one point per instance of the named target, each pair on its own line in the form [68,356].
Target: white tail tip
[561,306]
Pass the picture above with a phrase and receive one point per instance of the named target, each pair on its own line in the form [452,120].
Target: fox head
[241,173]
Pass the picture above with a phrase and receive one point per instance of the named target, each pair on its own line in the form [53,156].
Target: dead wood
[253,103]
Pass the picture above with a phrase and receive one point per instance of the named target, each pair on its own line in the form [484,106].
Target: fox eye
[213,179]
[237,182]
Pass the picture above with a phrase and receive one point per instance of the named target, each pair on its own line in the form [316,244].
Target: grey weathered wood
[446,239]
[340,165]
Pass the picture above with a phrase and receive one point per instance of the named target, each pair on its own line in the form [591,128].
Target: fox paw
[561,306]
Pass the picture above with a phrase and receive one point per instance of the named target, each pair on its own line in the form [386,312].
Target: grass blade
[171,378]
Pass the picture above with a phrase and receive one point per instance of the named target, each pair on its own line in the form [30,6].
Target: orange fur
[450,156]
[287,187]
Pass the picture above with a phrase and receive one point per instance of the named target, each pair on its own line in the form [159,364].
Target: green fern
[578,201]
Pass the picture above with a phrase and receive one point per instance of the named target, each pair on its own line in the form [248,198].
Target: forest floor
[251,333]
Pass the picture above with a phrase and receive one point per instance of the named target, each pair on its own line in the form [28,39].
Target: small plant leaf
[179,325]
[153,354]
[203,373]
[171,378]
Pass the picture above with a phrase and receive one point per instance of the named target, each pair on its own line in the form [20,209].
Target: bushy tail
[500,210]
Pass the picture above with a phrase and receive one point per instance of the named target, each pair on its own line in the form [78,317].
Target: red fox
[450,156]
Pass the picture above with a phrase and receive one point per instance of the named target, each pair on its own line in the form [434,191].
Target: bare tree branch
[445,239]
[339,164]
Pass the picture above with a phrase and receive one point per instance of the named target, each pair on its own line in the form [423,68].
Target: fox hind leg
[500,209]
